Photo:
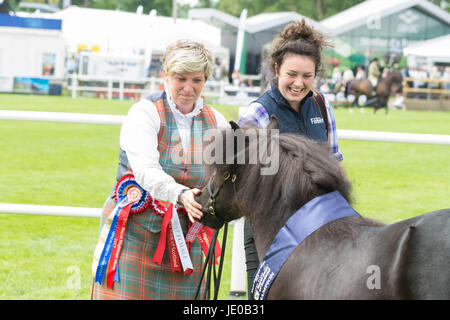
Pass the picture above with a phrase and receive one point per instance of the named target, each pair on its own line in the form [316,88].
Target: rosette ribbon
[131,198]
[110,242]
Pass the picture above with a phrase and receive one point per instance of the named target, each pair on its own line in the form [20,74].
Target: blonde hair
[187,56]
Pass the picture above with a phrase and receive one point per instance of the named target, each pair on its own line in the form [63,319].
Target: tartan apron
[139,277]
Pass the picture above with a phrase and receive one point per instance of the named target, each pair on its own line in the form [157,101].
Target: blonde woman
[158,140]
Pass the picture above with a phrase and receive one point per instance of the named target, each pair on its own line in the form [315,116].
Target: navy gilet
[308,122]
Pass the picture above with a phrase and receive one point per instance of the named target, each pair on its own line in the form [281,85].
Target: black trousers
[251,257]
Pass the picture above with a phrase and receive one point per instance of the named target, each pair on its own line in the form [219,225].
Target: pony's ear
[273,124]
[234,125]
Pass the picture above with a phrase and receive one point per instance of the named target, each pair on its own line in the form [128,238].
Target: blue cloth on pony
[310,217]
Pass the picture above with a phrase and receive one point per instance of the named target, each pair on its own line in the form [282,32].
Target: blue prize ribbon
[107,249]
[116,274]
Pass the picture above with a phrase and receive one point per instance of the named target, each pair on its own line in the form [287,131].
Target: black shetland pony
[349,258]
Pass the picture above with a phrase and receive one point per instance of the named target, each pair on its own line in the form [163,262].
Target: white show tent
[433,50]
[121,32]
[369,11]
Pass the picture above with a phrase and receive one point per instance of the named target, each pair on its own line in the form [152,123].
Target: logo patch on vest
[316,120]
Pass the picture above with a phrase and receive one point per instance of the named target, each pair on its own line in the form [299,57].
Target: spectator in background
[360,73]
[236,78]
[347,77]
[374,72]
[70,64]
[220,70]
[421,75]
[435,74]
[446,78]
[408,73]
[336,78]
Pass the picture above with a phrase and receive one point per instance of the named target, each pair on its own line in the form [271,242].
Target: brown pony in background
[386,87]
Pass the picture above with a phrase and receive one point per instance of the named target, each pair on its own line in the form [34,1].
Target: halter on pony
[210,258]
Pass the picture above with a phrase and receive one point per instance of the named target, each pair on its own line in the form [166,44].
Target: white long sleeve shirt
[139,139]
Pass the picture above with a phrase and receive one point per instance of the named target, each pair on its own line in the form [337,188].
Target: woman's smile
[295,78]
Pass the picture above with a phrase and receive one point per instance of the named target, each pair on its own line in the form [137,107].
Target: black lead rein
[211,266]
[211,256]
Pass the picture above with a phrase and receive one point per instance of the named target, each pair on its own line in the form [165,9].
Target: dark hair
[299,38]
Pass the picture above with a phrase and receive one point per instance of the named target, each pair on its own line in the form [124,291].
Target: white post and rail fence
[238,258]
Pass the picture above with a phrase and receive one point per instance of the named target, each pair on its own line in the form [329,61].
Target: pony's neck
[264,233]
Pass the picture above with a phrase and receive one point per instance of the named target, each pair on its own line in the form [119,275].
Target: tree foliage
[315,9]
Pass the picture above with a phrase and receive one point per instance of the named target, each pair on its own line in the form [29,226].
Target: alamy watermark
[374,280]
[73,282]
[250,146]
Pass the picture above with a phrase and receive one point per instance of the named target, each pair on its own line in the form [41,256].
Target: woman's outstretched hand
[192,207]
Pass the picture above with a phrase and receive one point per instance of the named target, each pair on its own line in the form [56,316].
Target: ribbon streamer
[107,245]
[117,246]
[181,243]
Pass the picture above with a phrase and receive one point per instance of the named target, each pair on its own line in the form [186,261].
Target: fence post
[110,88]
[222,92]
[152,84]
[237,287]
[74,85]
[121,85]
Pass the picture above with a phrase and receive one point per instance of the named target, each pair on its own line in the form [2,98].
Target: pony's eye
[226,175]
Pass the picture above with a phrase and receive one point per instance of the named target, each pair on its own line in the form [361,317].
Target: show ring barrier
[238,275]
[380,136]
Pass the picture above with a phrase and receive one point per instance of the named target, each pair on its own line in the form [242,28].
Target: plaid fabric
[139,278]
[185,168]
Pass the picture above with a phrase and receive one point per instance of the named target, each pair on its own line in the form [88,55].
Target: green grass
[62,104]
[437,122]
[75,164]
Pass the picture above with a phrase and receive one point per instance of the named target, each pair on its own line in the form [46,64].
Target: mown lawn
[75,164]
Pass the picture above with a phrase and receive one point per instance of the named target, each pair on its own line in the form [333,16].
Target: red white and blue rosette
[128,187]
[132,198]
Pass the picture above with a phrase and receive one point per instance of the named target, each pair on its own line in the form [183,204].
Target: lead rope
[210,265]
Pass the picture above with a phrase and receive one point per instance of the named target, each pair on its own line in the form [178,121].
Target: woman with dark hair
[295,61]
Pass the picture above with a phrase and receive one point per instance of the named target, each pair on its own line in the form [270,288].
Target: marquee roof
[437,49]
[357,16]
[128,33]
[255,23]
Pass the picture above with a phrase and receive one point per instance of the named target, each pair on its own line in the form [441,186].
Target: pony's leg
[376,105]
[361,108]
[354,103]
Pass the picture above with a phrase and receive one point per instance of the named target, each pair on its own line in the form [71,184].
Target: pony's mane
[306,170]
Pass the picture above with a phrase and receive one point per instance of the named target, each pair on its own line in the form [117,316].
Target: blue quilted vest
[308,122]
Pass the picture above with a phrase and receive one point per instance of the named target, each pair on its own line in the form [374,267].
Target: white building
[31,47]
[105,37]
[136,36]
